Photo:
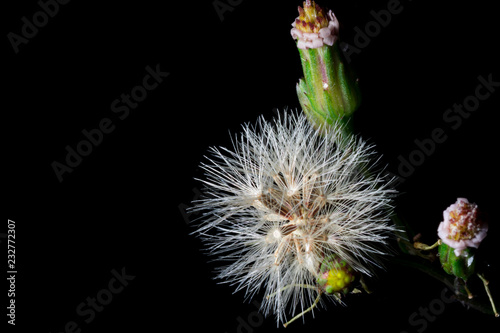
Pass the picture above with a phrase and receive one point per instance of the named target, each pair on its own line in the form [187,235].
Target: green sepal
[462,266]
[329,93]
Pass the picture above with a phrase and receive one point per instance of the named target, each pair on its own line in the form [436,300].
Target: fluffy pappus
[283,199]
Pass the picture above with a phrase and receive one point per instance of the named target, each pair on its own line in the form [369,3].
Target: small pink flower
[461,227]
[313,28]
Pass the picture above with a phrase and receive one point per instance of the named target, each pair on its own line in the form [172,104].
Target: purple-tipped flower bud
[462,228]
[313,28]
[329,92]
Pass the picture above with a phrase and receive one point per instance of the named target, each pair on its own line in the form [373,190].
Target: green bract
[460,266]
[329,92]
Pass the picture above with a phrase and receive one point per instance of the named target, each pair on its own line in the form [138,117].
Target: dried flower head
[462,228]
[286,199]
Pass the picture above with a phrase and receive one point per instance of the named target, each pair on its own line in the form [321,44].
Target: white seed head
[285,198]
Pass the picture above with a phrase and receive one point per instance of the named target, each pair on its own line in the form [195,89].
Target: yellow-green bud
[336,275]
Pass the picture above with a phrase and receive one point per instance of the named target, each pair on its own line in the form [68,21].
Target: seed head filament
[301,211]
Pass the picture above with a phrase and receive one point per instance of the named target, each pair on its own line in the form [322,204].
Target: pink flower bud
[462,228]
[313,28]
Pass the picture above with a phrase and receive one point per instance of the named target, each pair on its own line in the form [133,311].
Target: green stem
[305,311]
[486,282]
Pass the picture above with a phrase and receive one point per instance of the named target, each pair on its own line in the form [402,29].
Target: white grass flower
[284,199]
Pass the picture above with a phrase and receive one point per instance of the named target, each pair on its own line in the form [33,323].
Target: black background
[122,207]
